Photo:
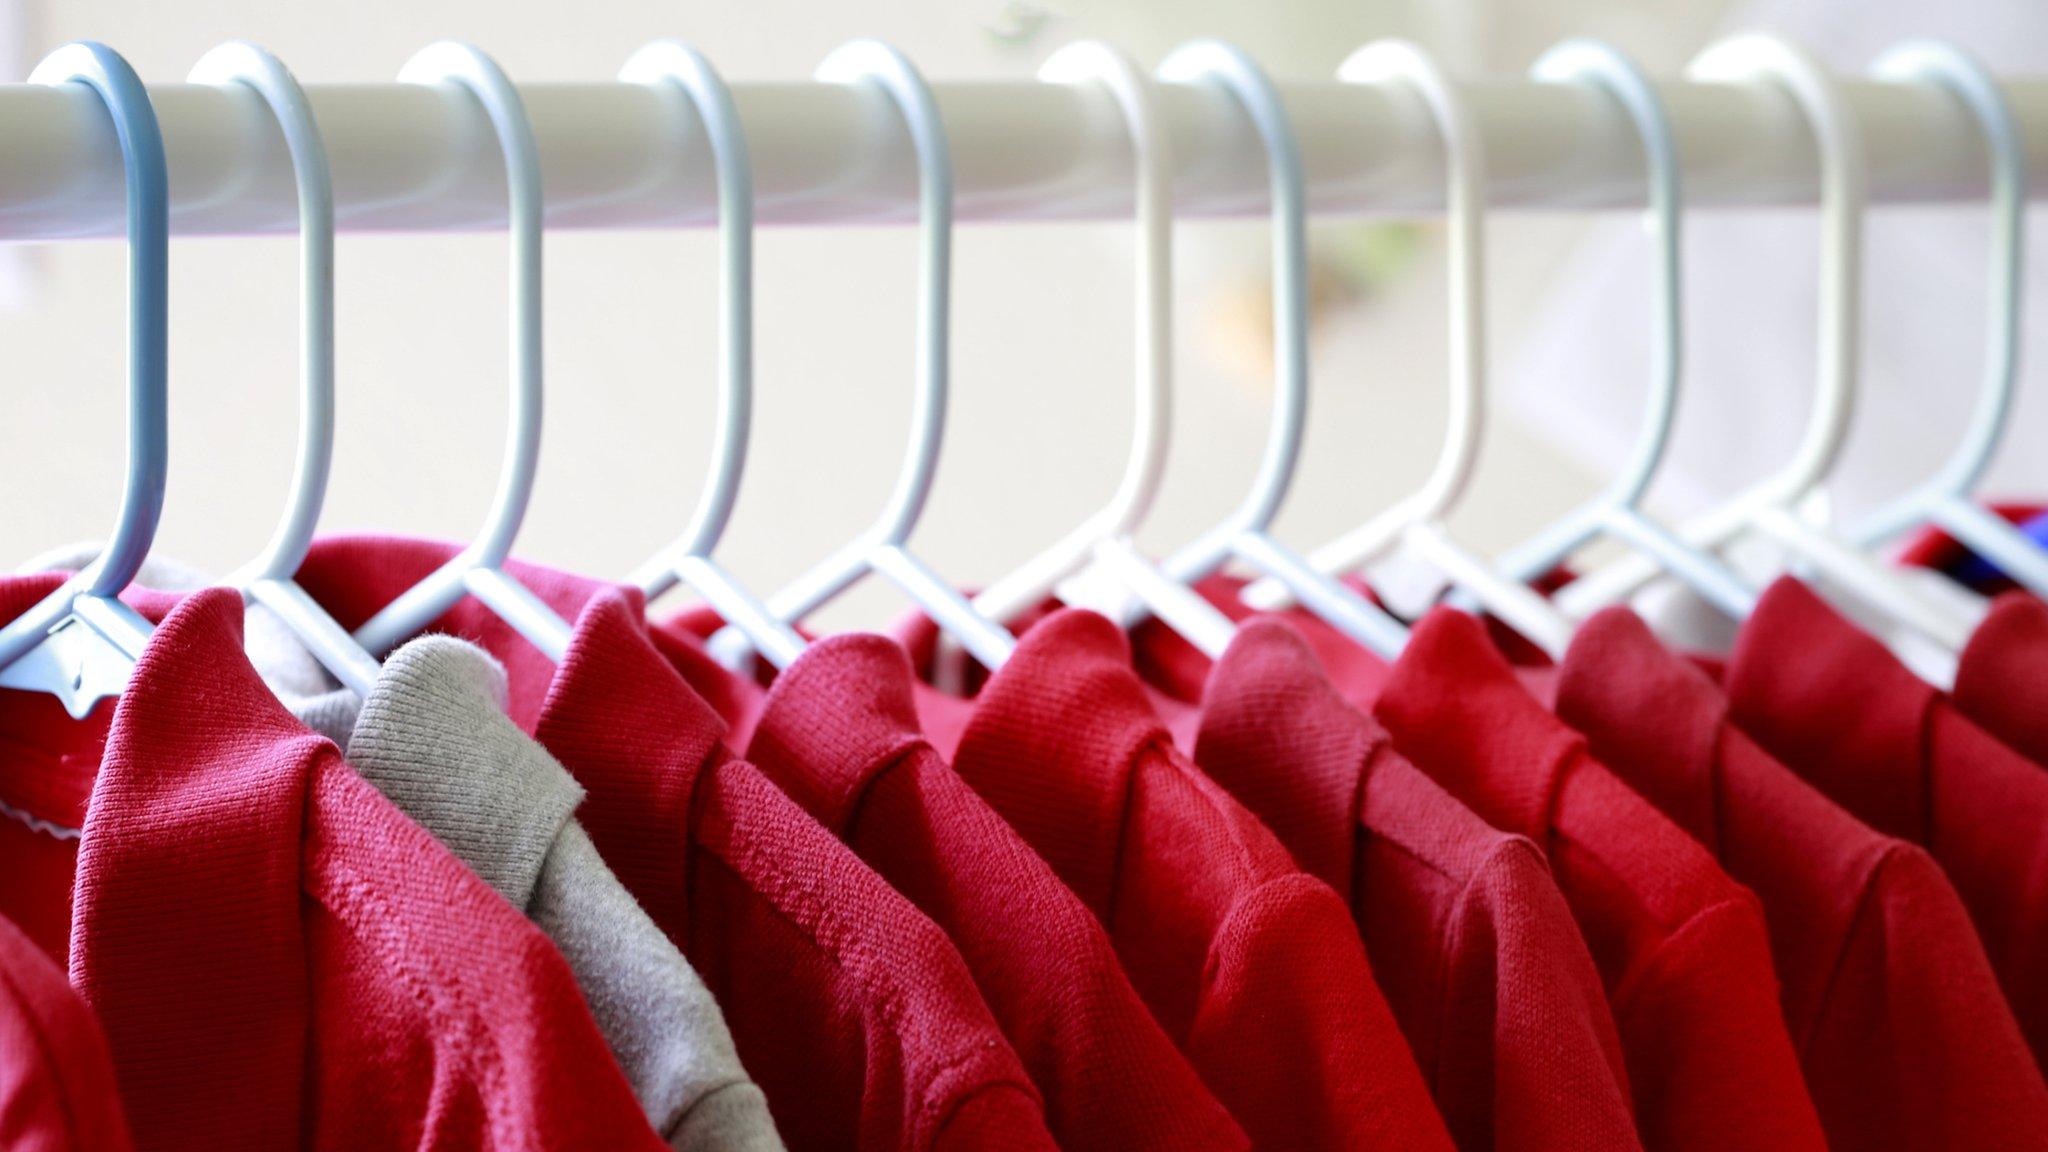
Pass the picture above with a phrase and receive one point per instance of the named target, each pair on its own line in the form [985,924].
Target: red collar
[1647,706]
[1829,699]
[1277,735]
[1456,708]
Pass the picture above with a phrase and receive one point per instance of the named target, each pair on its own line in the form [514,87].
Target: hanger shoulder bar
[413,158]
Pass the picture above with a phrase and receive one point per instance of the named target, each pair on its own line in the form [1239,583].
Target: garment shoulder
[1912,1044]
[893,964]
[1294,1033]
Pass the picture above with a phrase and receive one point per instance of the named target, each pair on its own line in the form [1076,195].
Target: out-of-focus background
[1042,328]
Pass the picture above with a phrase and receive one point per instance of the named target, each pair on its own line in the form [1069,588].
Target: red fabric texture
[1902,1032]
[2002,675]
[279,957]
[1836,707]
[850,1009]
[1252,966]
[1468,935]
[1682,948]
[840,734]
[57,1089]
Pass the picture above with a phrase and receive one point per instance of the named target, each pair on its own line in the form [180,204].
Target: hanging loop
[101,636]
[669,63]
[1245,534]
[238,62]
[478,568]
[269,579]
[1947,495]
[884,548]
[1102,544]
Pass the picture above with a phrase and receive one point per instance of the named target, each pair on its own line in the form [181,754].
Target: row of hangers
[81,643]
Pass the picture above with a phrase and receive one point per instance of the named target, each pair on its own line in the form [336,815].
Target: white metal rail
[621,156]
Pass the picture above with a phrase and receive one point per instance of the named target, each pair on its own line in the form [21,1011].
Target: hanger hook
[1969,81]
[671,63]
[1215,62]
[1745,59]
[882,548]
[113,632]
[1097,63]
[1585,61]
[251,66]
[148,205]
[478,568]
[1464,206]
[885,67]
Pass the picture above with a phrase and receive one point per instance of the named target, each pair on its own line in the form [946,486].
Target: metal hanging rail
[614,155]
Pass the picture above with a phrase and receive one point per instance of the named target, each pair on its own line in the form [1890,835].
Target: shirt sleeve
[1709,1058]
[1913,1046]
[1294,1036]
[1529,1058]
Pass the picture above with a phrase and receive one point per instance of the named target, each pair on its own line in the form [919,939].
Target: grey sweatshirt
[434,737]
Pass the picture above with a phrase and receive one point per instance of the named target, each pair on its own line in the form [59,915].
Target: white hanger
[1771,507]
[1245,534]
[80,642]
[477,570]
[1945,499]
[1417,522]
[688,561]
[1102,545]
[883,547]
[269,579]
[1617,511]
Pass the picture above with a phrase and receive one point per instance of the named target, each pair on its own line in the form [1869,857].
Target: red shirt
[839,733]
[1682,948]
[280,958]
[1904,1037]
[56,1079]
[2002,675]
[1251,965]
[850,1009]
[1836,707]
[1468,934]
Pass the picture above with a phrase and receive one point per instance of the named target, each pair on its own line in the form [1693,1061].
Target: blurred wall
[1042,329]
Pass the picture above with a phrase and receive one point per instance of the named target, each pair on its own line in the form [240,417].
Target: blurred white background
[1042,328]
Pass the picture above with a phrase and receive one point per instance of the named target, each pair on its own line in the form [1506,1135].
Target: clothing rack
[412,158]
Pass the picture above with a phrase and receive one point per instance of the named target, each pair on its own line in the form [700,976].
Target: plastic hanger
[1102,545]
[269,579]
[1771,507]
[1245,534]
[477,570]
[1617,511]
[1946,499]
[883,548]
[80,643]
[688,561]
[1417,522]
